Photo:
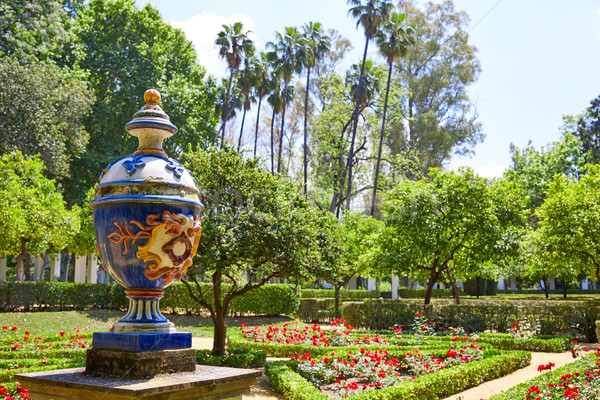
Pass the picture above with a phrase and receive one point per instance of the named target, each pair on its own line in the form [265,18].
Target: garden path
[261,390]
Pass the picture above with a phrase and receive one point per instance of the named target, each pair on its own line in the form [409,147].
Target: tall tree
[127,50]
[437,117]
[33,214]
[276,101]
[259,225]
[370,16]
[246,83]
[234,45]
[316,45]
[262,84]
[587,131]
[42,109]
[446,227]
[393,40]
[284,57]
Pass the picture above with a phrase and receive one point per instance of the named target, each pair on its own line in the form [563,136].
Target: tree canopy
[445,228]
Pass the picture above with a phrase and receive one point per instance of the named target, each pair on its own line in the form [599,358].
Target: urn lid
[148,172]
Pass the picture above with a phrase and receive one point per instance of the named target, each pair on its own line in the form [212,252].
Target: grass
[101,320]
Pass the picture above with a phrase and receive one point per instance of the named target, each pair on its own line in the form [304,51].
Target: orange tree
[256,227]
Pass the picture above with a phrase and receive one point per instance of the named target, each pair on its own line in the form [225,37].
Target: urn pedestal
[147,225]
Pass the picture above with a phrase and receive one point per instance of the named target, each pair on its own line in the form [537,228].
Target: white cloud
[491,170]
[202,30]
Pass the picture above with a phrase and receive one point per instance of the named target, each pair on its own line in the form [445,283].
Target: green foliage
[569,221]
[438,71]
[445,228]
[235,358]
[83,241]
[316,310]
[33,216]
[575,318]
[41,111]
[534,170]
[345,294]
[33,31]
[432,386]
[587,130]
[127,51]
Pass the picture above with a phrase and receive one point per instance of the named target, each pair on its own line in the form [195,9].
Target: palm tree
[370,15]
[276,100]
[234,45]
[246,82]
[262,86]
[393,40]
[316,45]
[284,57]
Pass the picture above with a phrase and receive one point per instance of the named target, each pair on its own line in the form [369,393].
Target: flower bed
[442,383]
[579,380]
[24,351]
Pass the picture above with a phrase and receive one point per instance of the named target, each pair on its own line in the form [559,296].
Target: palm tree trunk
[272,144]
[282,126]
[305,131]
[355,126]
[256,131]
[385,103]
[225,108]
[241,130]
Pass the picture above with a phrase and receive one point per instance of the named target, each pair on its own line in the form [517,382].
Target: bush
[344,294]
[433,386]
[576,318]
[235,358]
[58,296]
[316,310]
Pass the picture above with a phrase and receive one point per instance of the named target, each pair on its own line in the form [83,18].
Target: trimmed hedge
[521,390]
[316,310]
[433,386]
[576,318]
[344,294]
[57,296]
[236,358]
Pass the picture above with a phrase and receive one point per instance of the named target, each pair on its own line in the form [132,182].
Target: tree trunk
[19,268]
[456,291]
[241,129]
[355,125]
[279,152]
[546,293]
[306,131]
[25,260]
[225,110]
[385,103]
[256,131]
[564,285]
[429,291]
[220,334]
[273,144]
[337,288]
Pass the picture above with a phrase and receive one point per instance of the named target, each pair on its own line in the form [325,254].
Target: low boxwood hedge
[433,386]
[236,358]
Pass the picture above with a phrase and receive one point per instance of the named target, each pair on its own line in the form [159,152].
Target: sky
[540,60]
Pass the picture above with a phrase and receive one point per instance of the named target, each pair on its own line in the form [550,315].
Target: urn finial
[151,125]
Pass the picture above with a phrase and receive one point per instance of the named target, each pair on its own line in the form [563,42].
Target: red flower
[14,328]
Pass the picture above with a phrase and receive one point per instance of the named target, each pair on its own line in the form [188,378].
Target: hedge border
[441,384]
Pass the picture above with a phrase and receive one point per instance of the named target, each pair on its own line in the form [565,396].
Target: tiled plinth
[214,383]
[142,341]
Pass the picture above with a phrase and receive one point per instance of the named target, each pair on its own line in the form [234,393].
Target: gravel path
[261,390]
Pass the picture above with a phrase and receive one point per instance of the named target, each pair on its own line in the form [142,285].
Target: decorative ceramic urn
[146,219]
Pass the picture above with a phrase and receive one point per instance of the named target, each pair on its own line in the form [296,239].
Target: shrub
[316,310]
[57,296]
[236,358]
[344,294]
[575,318]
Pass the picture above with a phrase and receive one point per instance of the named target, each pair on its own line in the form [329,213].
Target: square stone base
[205,383]
[133,365]
[142,341]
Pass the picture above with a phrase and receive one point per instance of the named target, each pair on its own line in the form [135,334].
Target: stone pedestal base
[214,383]
[132,365]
